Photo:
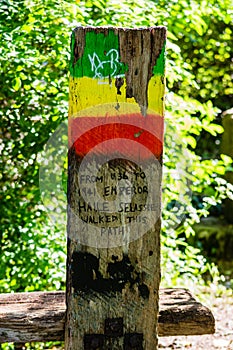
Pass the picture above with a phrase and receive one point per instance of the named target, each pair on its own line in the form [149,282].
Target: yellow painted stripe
[88,93]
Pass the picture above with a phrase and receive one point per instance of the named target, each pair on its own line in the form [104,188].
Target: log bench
[40,316]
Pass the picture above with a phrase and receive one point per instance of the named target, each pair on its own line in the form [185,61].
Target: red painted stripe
[130,136]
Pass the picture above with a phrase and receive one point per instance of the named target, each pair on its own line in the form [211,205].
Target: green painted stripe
[159,68]
[100,57]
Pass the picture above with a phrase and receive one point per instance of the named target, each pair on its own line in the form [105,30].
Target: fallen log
[40,316]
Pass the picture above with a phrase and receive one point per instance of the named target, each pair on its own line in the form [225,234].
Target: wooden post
[114,187]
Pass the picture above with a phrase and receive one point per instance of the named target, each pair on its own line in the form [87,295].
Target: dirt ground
[222,309]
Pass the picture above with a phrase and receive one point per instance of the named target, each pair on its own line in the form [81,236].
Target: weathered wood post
[114,191]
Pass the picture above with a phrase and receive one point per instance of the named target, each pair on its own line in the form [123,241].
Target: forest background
[34,55]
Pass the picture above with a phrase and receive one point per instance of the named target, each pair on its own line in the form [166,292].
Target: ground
[222,309]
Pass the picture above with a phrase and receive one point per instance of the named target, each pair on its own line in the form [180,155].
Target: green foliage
[34,95]
[35,39]
[34,54]
[36,346]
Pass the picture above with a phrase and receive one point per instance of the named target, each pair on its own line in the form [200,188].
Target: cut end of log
[181,314]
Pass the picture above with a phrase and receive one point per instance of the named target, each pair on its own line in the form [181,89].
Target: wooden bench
[40,316]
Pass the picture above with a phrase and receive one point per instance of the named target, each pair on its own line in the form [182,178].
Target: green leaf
[16,83]
[171,36]
[27,28]
[227,160]
[191,141]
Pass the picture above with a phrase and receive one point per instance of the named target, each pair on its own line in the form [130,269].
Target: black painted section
[84,267]
[144,291]
[86,275]
[122,272]
[113,327]
[114,257]
[93,341]
[133,341]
